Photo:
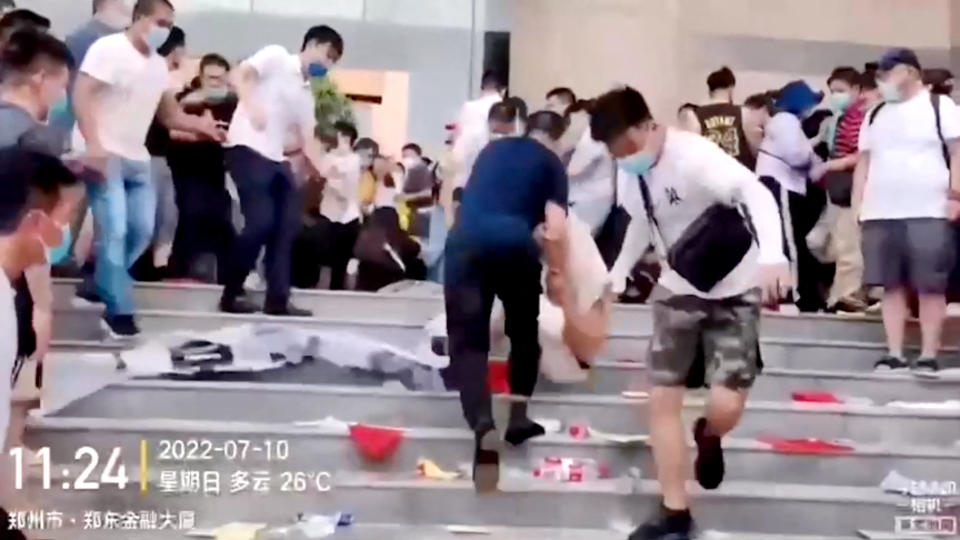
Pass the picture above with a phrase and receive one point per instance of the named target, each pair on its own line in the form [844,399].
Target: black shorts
[917,254]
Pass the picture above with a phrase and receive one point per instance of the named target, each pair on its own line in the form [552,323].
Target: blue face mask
[156,37]
[317,70]
[638,164]
[57,255]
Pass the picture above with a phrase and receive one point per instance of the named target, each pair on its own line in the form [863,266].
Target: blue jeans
[124,209]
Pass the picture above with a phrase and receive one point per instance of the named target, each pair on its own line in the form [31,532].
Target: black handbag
[710,248]
[839,186]
[610,237]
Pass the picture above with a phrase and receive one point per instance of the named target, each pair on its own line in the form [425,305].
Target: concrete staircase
[769,494]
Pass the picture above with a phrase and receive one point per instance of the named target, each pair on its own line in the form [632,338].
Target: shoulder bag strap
[661,245]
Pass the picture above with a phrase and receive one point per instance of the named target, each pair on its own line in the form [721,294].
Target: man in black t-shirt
[205,233]
[720,120]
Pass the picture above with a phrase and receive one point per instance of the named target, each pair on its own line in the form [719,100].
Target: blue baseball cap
[797,97]
[894,57]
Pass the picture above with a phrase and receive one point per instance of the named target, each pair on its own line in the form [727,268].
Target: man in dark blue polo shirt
[491,253]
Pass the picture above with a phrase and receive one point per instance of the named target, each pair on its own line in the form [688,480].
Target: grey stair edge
[554,399]
[617,486]
[359,531]
[426,433]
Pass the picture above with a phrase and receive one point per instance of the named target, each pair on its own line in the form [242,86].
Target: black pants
[472,281]
[311,250]
[803,211]
[270,200]
[343,237]
[205,227]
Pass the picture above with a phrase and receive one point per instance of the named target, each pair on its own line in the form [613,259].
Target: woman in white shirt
[784,163]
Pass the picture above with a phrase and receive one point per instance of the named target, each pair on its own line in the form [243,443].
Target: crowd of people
[108,169]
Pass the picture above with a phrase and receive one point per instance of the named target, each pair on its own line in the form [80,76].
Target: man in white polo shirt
[902,185]
[121,86]
[275,102]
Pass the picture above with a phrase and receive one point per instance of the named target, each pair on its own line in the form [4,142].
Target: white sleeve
[791,143]
[267,60]
[732,183]
[307,117]
[101,61]
[585,153]
[949,119]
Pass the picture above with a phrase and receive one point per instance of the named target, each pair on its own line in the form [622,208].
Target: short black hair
[346,128]
[504,112]
[868,80]
[563,93]
[22,18]
[691,106]
[144,8]
[617,111]
[214,59]
[413,146]
[936,79]
[322,35]
[760,102]
[520,105]
[492,80]
[547,122]
[366,143]
[847,74]
[721,79]
[175,40]
[29,180]
[27,50]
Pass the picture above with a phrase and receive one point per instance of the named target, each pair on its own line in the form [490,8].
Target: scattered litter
[579,430]
[897,483]
[230,531]
[376,443]
[329,423]
[816,397]
[630,394]
[635,473]
[619,438]
[468,530]
[572,470]
[806,446]
[318,526]
[427,468]
[550,425]
[949,405]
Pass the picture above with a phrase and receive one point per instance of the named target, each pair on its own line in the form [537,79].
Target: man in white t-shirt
[902,185]
[31,184]
[341,204]
[120,88]
[274,119]
[705,331]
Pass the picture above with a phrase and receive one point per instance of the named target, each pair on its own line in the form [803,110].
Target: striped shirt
[848,130]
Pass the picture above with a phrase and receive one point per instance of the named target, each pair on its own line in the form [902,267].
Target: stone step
[81,329]
[616,377]
[417,310]
[215,447]
[291,403]
[752,507]
[406,532]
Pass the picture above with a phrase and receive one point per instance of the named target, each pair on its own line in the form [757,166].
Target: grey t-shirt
[18,128]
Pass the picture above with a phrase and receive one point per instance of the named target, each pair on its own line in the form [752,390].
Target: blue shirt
[504,199]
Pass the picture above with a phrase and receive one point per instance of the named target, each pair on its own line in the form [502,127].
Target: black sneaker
[486,461]
[679,526]
[288,310]
[120,326]
[926,365]
[87,296]
[709,466]
[891,363]
[237,305]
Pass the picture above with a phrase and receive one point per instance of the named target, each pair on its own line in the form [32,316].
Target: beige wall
[666,47]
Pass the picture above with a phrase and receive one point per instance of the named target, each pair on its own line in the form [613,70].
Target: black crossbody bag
[710,248]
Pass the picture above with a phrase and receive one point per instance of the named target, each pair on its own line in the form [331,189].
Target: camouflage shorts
[698,342]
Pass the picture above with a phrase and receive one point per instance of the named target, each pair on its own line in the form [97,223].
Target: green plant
[331,106]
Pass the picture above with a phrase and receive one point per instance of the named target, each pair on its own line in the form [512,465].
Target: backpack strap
[874,112]
[935,101]
[652,218]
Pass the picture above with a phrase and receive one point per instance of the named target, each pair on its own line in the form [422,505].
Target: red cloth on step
[805,446]
[816,397]
[376,443]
